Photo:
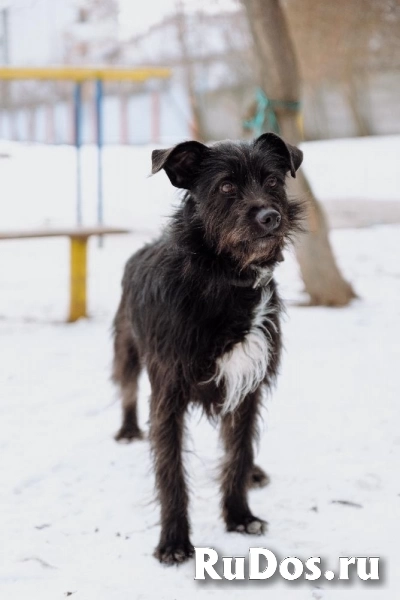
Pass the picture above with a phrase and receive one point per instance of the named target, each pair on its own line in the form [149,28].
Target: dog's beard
[249,249]
[258,252]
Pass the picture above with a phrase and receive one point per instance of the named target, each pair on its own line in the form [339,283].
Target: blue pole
[78,144]
[100,141]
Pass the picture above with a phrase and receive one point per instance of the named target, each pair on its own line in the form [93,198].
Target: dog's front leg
[166,434]
[238,431]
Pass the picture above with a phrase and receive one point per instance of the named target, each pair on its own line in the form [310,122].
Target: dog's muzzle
[268,219]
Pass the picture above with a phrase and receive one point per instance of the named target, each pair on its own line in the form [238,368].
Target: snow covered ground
[77,515]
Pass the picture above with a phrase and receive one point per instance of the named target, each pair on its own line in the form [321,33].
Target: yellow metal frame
[85,73]
[78,279]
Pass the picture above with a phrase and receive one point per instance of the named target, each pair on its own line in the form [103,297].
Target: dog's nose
[269,219]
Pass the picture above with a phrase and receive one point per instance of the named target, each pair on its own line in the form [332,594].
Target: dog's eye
[227,187]
[272,182]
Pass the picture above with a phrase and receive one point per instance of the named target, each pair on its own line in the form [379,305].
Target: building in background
[35,30]
[349,54]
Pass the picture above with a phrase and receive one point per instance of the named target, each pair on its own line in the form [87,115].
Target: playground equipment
[79,235]
[79,75]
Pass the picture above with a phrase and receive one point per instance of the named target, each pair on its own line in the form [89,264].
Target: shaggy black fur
[189,298]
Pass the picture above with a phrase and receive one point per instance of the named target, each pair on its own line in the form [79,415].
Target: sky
[137,17]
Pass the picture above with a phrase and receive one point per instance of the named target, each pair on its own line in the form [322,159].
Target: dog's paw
[248,524]
[128,434]
[174,554]
[258,477]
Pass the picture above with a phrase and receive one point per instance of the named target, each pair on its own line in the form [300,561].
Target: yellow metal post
[78,277]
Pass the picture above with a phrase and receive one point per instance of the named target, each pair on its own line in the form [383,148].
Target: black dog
[200,310]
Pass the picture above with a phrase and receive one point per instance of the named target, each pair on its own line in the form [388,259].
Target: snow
[76,509]
[361,168]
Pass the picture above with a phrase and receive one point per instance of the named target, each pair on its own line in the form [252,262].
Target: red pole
[50,129]
[124,120]
[14,127]
[32,124]
[155,117]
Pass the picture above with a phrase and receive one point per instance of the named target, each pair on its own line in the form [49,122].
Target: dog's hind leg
[126,371]
[167,411]
[238,431]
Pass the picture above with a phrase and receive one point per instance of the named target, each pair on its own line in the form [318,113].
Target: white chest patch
[244,367]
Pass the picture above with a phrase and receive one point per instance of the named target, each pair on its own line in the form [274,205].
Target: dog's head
[239,192]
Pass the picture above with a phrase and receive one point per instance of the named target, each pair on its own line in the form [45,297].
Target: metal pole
[78,144]
[4,57]
[78,278]
[100,141]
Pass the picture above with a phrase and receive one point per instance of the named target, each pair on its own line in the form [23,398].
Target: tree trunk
[350,92]
[280,79]
[196,125]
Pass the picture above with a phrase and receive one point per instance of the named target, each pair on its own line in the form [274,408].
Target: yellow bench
[78,259]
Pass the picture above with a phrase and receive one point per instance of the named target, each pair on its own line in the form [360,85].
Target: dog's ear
[271,141]
[181,163]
